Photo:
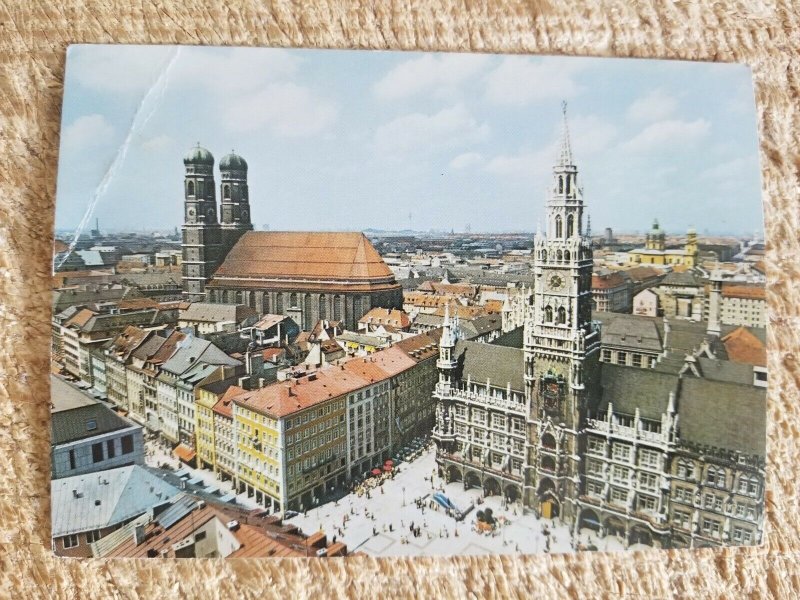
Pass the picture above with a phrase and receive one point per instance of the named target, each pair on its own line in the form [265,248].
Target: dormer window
[91,424]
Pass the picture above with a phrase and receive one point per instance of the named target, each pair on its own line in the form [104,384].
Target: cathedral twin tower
[207,240]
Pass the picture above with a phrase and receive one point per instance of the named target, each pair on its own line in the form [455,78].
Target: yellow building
[656,253]
[207,394]
[258,443]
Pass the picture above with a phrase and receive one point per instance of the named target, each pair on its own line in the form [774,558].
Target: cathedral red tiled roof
[295,258]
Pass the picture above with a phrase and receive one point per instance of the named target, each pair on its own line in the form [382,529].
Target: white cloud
[154,144]
[590,135]
[450,127]
[732,170]
[286,109]
[656,105]
[524,165]
[466,160]
[668,135]
[235,70]
[88,131]
[429,73]
[519,81]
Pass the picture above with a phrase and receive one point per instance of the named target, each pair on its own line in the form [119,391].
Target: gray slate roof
[192,351]
[499,364]
[85,422]
[684,279]
[206,312]
[64,396]
[104,499]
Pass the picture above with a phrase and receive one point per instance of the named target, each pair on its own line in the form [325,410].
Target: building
[666,450]
[87,436]
[205,318]
[655,251]
[743,305]
[305,275]
[389,320]
[191,528]
[87,508]
[645,303]
[611,292]
[681,295]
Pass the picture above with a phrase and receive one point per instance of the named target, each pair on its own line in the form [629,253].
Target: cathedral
[306,275]
[655,455]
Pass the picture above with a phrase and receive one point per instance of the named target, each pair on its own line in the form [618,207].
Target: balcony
[460,392]
[606,428]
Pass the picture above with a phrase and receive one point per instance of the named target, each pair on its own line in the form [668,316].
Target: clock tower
[561,344]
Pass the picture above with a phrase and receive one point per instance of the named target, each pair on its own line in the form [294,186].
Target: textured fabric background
[33,37]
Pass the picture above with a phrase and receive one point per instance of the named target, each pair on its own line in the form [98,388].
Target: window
[619,496]
[647,503]
[648,481]
[711,527]
[110,450]
[596,446]
[637,360]
[201,535]
[594,489]
[715,476]
[92,536]
[621,358]
[606,355]
[91,424]
[70,541]
[97,452]
[682,519]
[621,452]
[548,314]
[72,459]
[748,485]
[685,469]
[619,474]
[594,467]
[648,458]
[127,444]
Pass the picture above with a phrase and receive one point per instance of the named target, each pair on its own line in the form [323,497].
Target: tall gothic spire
[565,156]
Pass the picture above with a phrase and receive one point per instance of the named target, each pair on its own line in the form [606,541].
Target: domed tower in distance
[235,208]
[201,245]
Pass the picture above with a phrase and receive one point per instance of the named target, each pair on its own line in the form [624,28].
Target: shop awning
[184,453]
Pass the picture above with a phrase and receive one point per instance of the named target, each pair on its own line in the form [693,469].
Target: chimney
[138,535]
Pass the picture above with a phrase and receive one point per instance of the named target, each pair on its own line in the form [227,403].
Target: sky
[351,140]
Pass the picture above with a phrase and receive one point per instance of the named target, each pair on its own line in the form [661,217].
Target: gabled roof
[191,351]
[686,279]
[391,318]
[750,292]
[501,365]
[206,312]
[304,255]
[744,347]
[99,500]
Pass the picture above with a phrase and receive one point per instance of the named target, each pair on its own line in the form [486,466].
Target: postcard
[322,303]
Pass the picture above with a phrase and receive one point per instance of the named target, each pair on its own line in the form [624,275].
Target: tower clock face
[556,282]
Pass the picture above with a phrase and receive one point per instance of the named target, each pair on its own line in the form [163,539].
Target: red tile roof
[744,347]
[752,292]
[263,257]
[606,282]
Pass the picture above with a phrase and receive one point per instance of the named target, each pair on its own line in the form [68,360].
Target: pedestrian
[390,527]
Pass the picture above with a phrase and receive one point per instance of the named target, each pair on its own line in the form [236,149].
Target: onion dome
[232,162]
[198,156]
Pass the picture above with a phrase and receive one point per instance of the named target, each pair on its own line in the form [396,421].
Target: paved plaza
[364,523]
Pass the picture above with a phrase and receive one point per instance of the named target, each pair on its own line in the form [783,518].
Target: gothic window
[226,191]
[293,300]
[715,476]
[570,226]
[562,315]
[265,303]
[685,469]
[323,307]
[544,255]
[548,314]
[548,464]
[279,303]
[569,186]
[239,297]
[566,255]
[559,256]
[748,485]
[548,441]
[190,188]
[560,184]
[357,308]
[337,307]
[307,312]
[559,227]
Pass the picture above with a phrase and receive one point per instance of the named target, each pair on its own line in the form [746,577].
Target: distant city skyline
[347,140]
